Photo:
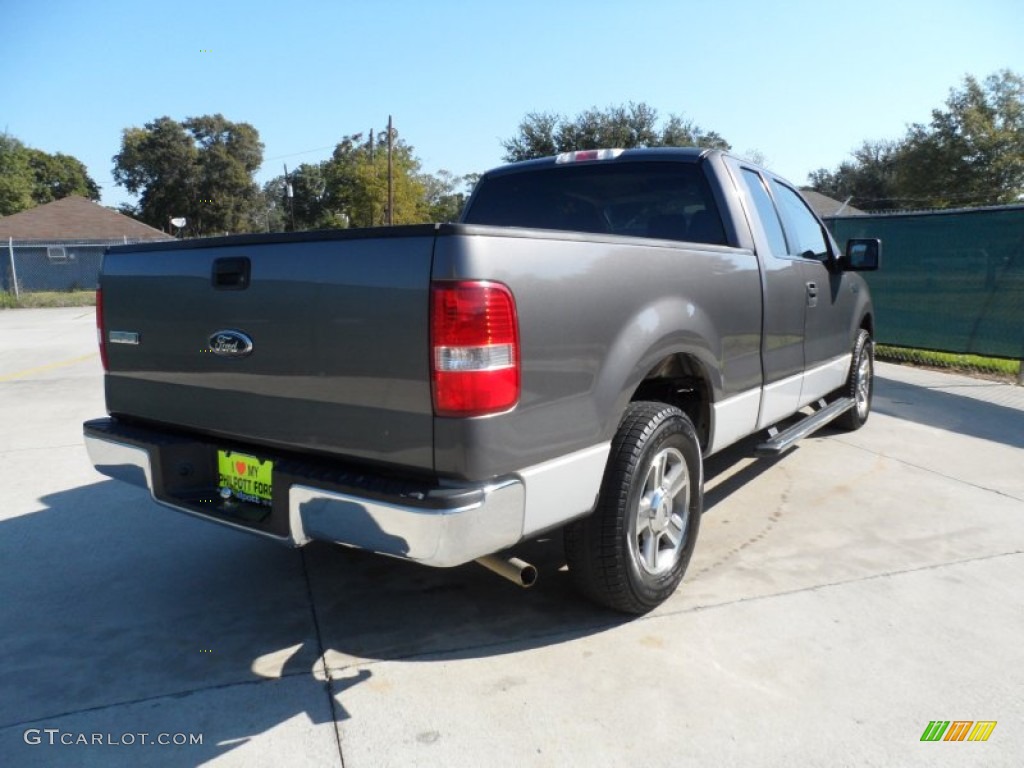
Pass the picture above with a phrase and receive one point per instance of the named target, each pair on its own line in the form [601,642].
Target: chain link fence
[950,292]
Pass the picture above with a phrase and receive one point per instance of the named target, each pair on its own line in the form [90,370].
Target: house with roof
[59,246]
[827,207]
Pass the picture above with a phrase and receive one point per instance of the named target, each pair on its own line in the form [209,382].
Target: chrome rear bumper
[443,526]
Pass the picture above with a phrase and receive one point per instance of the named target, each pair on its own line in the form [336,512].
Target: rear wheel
[860,386]
[631,553]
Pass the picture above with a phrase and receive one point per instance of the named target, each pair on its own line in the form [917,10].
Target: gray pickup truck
[562,358]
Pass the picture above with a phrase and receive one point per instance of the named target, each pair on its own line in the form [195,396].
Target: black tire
[614,557]
[860,385]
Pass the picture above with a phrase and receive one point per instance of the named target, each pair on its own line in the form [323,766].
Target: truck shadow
[951,412]
[176,625]
[123,616]
[722,463]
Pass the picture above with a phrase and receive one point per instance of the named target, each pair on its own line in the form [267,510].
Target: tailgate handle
[231,273]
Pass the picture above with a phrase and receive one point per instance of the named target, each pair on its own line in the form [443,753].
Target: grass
[40,299]
[949,360]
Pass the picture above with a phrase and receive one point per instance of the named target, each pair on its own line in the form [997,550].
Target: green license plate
[245,477]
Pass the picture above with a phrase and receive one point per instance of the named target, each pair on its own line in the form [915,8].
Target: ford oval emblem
[230,344]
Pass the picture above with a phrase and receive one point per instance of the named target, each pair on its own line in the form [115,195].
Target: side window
[766,212]
[802,229]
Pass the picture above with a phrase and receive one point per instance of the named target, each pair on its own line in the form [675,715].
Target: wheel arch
[867,323]
[680,379]
[670,351]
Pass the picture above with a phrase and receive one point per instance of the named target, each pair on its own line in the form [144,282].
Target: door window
[803,232]
[766,212]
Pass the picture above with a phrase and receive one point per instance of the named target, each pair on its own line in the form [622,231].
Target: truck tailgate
[338,324]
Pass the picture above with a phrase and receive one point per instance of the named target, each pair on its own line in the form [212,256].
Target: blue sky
[803,83]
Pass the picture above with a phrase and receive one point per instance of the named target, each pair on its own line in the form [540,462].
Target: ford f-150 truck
[564,357]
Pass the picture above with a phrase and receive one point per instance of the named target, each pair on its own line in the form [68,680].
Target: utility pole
[374,169]
[290,194]
[391,174]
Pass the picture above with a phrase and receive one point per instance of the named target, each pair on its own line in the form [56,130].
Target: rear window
[668,201]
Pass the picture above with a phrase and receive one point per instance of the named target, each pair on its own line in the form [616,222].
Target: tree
[308,203]
[201,168]
[541,134]
[15,176]
[971,153]
[158,163]
[228,155]
[869,180]
[358,181]
[679,132]
[351,188]
[30,177]
[57,176]
[446,194]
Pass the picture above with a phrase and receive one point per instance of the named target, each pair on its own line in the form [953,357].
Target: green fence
[951,281]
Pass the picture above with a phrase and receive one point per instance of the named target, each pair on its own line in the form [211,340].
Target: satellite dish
[179,222]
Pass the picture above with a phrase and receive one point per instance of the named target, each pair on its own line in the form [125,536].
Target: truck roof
[685,154]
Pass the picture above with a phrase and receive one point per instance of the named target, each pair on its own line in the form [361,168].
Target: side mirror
[862,255]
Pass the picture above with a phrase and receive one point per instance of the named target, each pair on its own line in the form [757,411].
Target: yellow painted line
[48,367]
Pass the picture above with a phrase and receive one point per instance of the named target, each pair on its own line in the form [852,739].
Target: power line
[295,154]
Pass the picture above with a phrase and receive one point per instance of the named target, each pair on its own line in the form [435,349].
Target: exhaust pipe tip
[520,573]
[527,575]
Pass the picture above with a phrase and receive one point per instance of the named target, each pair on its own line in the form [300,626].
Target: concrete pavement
[840,599]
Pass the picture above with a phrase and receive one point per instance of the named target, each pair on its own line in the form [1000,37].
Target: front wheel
[860,385]
[631,552]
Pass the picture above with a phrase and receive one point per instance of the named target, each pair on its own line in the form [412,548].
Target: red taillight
[100,334]
[474,340]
